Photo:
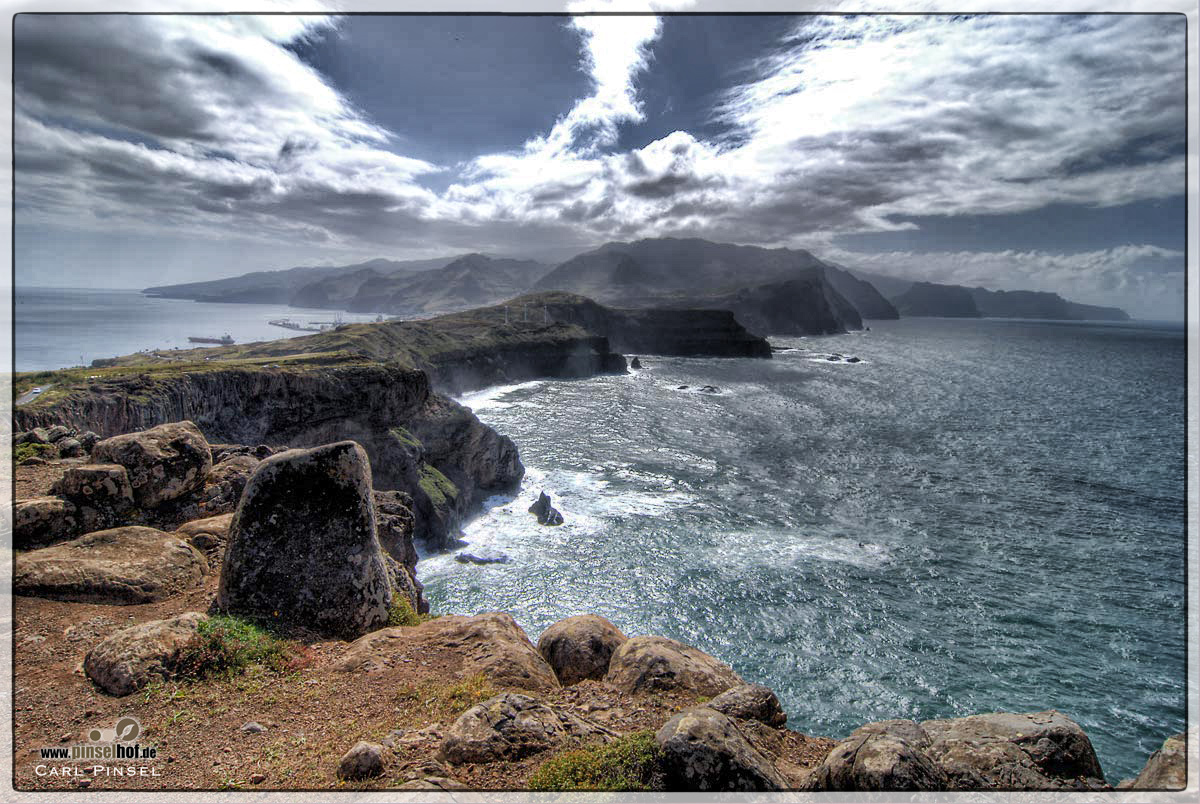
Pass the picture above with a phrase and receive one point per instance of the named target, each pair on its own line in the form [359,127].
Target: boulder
[649,663]
[580,647]
[1036,751]
[330,579]
[363,761]
[209,535]
[40,521]
[703,750]
[135,656]
[1165,770]
[225,482]
[69,448]
[510,727]
[88,439]
[120,566]
[635,363]
[37,435]
[888,755]
[545,513]
[57,433]
[101,492]
[750,702]
[492,644]
[164,463]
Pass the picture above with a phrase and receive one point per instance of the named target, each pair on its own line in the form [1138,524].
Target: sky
[1041,152]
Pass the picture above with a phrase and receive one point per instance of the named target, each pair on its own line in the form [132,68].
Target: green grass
[23,451]
[225,646]
[629,763]
[437,486]
[406,438]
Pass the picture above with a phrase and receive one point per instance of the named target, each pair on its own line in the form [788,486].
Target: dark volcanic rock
[546,514]
[750,702]
[330,579]
[580,647]
[635,363]
[471,558]
[40,521]
[703,750]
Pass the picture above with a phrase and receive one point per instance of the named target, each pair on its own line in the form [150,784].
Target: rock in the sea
[363,761]
[709,389]
[853,360]
[1165,770]
[133,657]
[492,644]
[120,566]
[545,513]
[750,702]
[888,755]
[649,663]
[330,579]
[41,521]
[580,647]
[635,363]
[471,558]
[703,750]
[208,535]
[164,463]
[511,726]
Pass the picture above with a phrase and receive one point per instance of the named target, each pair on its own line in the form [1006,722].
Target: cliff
[866,298]
[807,305]
[1037,304]
[929,299]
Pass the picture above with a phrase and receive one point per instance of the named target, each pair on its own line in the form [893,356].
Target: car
[36,391]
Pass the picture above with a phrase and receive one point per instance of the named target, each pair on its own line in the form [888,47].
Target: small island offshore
[747,406]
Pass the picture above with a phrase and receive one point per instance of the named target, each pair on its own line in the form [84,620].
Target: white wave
[492,398]
[787,548]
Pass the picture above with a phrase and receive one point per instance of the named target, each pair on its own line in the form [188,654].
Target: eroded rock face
[511,726]
[164,463]
[492,644]
[648,663]
[1165,770]
[135,656]
[580,647]
[43,520]
[703,750]
[1001,751]
[119,566]
[330,579]
[750,702]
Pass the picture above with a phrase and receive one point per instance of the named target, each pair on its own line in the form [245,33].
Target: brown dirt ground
[311,715]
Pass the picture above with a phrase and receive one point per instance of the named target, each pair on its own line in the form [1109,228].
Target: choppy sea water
[60,327]
[978,516]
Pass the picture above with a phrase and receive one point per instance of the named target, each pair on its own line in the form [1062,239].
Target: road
[29,396]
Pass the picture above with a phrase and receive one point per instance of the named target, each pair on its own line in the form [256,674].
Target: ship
[287,323]
[223,341]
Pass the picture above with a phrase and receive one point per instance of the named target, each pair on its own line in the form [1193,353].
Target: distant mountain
[279,287]
[473,280]
[333,292]
[806,305]
[935,300]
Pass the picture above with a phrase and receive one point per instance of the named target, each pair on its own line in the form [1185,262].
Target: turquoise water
[979,516]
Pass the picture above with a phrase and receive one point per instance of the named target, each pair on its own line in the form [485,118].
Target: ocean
[980,515]
[61,327]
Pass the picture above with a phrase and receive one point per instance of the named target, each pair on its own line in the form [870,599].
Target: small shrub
[468,692]
[437,700]
[225,645]
[24,451]
[401,611]
[629,763]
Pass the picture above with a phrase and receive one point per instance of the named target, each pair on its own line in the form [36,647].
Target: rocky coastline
[166,511]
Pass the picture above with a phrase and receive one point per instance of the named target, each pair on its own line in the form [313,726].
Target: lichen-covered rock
[1035,751]
[208,535]
[40,521]
[69,448]
[302,544]
[225,482]
[119,566]
[88,439]
[101,492]
[57,433]
[750,702]
[1165,770]
[888,755]
[164,463]
[37,435]
[133,657]
[492,644]
[580,647]
[511,726]
[363,761]
[703,750]
[648,663]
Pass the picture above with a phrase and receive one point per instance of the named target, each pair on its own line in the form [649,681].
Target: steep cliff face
[805,306]
[930,299]
[865,297]
[387,409]
[683,332]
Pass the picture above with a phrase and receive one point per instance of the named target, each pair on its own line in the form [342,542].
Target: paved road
[29,396]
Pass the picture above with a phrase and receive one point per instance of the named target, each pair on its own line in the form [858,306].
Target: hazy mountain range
[772,291]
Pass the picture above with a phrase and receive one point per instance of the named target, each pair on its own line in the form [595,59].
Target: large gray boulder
[133,657]
[302,544]
[208,535]
[750,702]
[512,726]
[1165,770]
[652,663]
[888,755]
[101,492]
[164,463]
[41,521]
[119,566]
[362,761]
[580,647]
[703,750]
